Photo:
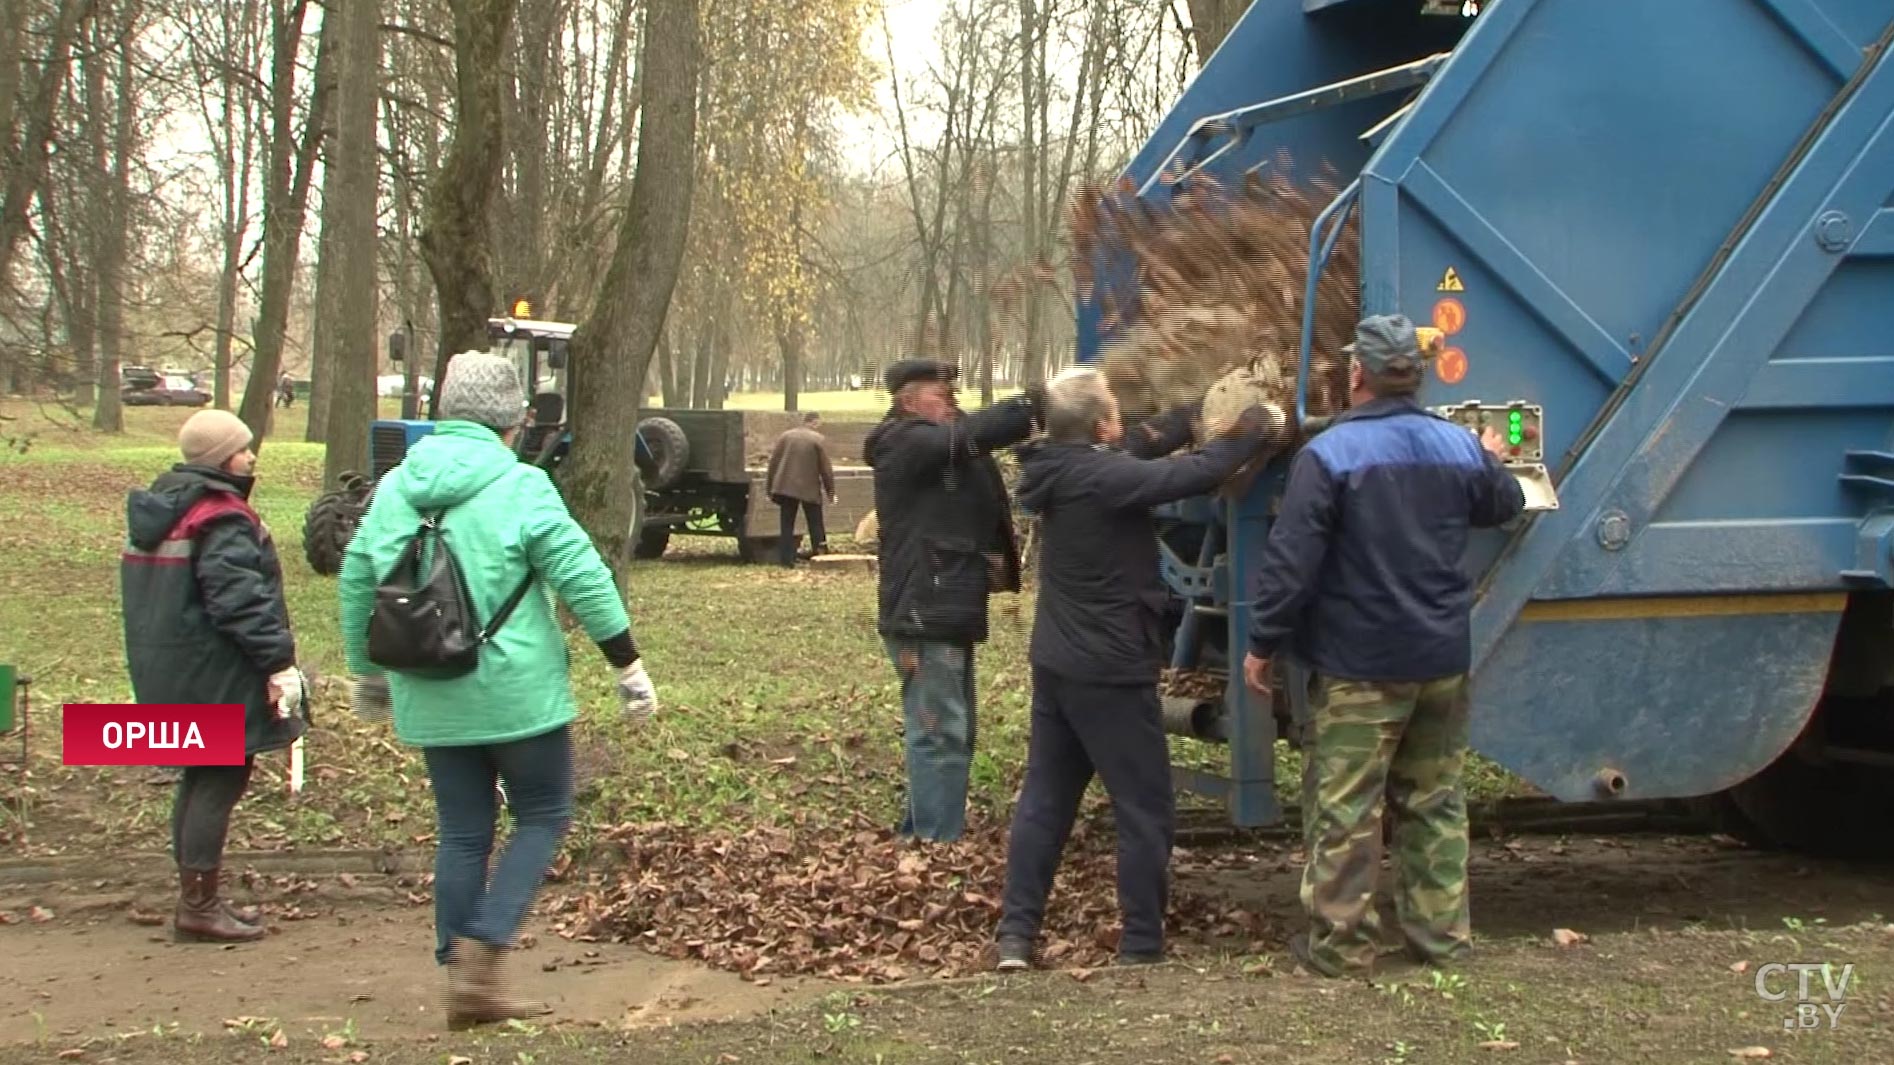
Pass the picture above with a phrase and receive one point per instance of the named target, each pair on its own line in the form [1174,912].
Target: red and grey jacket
[205,616]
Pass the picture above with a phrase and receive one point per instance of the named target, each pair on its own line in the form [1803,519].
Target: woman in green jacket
[510,719]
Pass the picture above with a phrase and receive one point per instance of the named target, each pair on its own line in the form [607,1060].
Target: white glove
[289,687]
[639,696]
[369,699]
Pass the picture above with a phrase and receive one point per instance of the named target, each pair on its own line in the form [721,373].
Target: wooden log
[843,563]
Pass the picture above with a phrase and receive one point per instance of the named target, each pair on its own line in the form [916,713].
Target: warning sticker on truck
[1450,282]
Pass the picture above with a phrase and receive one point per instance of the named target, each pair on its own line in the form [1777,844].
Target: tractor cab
[539,353]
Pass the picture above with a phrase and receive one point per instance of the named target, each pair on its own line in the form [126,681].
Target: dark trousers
[200,815]
[786,543]
[537,774]
[1115,731]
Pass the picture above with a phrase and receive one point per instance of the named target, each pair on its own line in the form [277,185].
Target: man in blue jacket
[1362,581]
[1097,646]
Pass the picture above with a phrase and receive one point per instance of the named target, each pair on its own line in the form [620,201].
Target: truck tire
[329,523]
[670,451]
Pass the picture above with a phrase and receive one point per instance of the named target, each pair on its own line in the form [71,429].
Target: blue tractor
[539,352]
[1659,235]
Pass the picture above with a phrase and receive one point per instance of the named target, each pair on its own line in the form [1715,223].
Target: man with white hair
[1097,646]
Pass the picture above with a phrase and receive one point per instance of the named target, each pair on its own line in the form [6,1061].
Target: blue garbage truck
[1659,238]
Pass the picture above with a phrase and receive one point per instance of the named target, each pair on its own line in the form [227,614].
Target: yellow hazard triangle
[1450,281]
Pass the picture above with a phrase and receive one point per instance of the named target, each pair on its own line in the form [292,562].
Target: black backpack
[424,621]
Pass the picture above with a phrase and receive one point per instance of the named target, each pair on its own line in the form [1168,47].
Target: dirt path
[364,965]
[1675,930]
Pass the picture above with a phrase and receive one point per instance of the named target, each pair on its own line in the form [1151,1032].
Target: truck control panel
[1521,427]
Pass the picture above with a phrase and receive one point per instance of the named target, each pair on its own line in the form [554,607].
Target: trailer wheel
[1827,808]
[329,523]
[670,451]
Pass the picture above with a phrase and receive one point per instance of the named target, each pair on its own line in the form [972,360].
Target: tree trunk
[1210,22]
[328,296]
[27,165]
[612,349]
[700,367]
[109,416]
[351,367]
[285,202]
[667,370]
[791,339]
[456,239]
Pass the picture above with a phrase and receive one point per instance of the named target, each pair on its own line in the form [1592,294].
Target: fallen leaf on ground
[769,902]
[40,914]
[144,917]
[279,1040]
[1752,1052]
[1499,1044]
[334,1042]
[458,1060]
[358,1057]
[71,1055]
[1739,968]
[1226,1059]
[1565,937]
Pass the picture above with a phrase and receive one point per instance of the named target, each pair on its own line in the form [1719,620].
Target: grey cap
[483,388]
[1385,344]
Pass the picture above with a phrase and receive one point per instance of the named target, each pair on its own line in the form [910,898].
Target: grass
[778,703]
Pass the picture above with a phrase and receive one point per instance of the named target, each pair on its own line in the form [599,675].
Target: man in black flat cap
[946,544]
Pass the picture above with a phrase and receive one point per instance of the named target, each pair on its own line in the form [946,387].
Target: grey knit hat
[483,388]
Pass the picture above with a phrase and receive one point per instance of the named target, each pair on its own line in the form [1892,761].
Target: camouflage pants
[1406,743]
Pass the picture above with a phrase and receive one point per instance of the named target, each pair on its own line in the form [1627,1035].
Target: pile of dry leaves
[864,906]
[1221,276]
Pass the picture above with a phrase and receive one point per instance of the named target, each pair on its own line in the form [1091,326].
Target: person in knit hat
[206,623]
[509,721]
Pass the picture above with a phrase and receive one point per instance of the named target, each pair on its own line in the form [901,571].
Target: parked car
[168,391]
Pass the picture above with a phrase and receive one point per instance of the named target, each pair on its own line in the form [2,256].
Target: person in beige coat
[800,475]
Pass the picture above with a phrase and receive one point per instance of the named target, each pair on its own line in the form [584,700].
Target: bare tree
[350,369]
[28,147]
[292,162]
[114,215]
[611,351]
[224,48]
[1210,22]
[456,239]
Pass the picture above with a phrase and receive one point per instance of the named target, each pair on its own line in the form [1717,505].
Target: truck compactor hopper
[1661,234]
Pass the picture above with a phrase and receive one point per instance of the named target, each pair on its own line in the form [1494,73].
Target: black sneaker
[1015,954]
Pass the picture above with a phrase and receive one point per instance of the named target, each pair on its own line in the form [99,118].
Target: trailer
[1660,237]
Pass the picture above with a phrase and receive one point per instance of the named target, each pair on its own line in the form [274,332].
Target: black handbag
[424,622]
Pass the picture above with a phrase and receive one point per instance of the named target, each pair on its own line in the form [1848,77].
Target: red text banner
[152,734]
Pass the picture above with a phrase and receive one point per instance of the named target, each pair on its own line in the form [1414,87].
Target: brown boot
[477,987]
[246,914]
[201,916]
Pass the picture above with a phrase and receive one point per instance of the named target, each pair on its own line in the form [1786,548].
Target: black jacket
[1362,575]
[943,510]
[1101,598]
[205,618]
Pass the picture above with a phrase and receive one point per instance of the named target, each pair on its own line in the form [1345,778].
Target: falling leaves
[864,906]
[1221,278]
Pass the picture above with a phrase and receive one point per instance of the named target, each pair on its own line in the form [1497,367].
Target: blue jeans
[938,705]
[537,774]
